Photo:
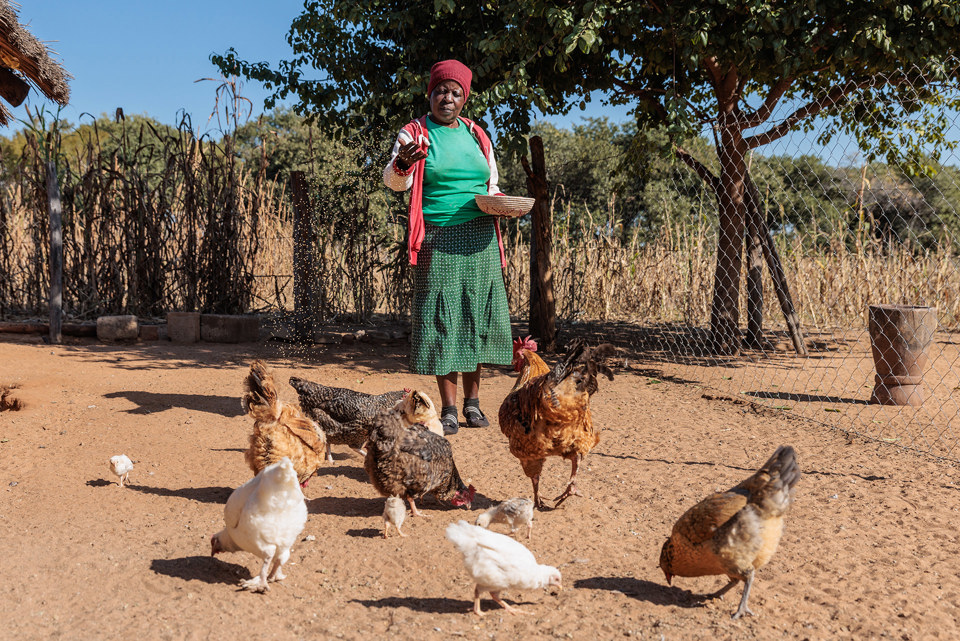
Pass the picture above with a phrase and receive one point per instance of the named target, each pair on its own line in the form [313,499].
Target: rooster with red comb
[548,411]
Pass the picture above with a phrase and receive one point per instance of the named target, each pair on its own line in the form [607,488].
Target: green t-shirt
[455,172]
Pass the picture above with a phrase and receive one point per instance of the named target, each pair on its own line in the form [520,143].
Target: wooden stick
[543,309]
[775,266]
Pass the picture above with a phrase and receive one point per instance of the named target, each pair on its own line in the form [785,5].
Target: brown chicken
[549,414]
[406,459]
[279,429]
[734,532]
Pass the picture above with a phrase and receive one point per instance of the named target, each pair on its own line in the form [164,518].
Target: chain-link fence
[820,233]
[839,279]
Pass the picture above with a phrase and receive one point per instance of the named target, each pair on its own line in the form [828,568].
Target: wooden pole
[775,266]
[304,246]
[56,254]
[543,310]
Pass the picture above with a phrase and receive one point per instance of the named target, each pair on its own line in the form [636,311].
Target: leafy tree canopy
[750,71]
[359,63]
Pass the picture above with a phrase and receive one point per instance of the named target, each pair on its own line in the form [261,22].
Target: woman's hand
[410,154]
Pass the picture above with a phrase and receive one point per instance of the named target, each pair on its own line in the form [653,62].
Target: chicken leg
[537,501]
[743,609]
[276,573]
[386,529]
[414,511]
[259,582]
[572,486]
[506,606]
[719,593]
[496,597]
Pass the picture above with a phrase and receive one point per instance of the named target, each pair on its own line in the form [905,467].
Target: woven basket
[510,206]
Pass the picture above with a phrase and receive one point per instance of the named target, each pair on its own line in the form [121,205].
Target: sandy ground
[870,549]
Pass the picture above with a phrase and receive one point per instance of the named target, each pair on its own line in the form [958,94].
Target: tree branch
[760,116]
[705,174]
[837,93]
[713,70]
[644,95]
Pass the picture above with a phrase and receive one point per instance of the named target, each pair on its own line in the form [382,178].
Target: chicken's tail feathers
[461,534]
[567,365]
[260,399]
[773,486]
[280,473]
[587,361]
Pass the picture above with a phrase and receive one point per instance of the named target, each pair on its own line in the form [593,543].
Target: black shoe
[451,424]
[475,418]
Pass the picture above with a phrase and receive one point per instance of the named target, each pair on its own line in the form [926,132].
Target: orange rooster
[279,429]
[548,412]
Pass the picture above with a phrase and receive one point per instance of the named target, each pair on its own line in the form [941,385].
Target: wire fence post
[56,254]
[304,246]
[543,309]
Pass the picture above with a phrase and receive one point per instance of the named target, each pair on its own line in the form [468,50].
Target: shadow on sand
[201,568]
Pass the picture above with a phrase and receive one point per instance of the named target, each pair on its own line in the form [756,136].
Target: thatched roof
[28,59]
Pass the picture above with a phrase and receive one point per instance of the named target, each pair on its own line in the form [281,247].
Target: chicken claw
[567,493]
[255,585]
[506,606]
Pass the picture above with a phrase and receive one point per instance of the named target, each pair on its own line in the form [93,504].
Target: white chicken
[496,562]
[121,465]
[264,516]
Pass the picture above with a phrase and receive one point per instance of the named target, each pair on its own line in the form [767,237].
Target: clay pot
[899,337]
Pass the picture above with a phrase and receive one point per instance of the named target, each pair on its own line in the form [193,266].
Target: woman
[460,314]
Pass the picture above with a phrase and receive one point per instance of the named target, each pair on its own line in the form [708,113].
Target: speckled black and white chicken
[344,415]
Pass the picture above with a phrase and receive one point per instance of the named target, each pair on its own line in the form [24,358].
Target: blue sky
[146,56]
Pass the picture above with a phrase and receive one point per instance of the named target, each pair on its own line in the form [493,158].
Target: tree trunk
[725,309]
[543,312]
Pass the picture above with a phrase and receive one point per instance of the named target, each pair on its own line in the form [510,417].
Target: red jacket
[398,180]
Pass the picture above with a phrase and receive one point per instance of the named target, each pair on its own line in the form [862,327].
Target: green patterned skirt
[460,313]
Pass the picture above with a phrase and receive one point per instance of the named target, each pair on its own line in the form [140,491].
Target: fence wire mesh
[636,224]
[867,250]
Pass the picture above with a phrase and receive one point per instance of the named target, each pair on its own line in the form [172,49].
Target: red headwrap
[450,70]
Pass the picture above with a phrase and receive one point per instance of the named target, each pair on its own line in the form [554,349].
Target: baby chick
[515,512]
[394,511]
[121,466]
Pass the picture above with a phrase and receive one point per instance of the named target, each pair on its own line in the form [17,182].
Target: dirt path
[870,549]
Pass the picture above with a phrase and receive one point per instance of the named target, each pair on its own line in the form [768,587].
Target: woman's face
[446,102]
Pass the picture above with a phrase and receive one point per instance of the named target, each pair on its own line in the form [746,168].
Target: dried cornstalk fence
[170,224]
